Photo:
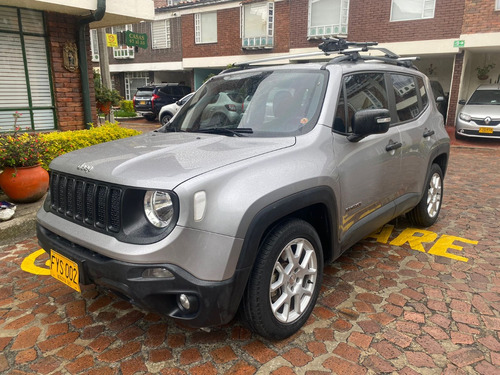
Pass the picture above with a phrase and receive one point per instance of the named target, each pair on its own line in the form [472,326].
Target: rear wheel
[427,211]
[285,281]
[150,117]
[165,118]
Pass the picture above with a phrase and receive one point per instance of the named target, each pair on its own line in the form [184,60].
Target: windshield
[484,97]
[254,103]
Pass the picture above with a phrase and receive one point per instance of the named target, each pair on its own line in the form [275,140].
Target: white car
[480,116]
[168,111]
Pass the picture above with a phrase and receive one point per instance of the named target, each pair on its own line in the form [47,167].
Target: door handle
[428,133]
[393,145]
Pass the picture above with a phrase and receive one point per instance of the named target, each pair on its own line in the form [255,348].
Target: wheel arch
[317,206]
[440,157]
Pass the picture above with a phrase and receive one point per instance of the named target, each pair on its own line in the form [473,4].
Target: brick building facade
[62,28]
[432,33]
[46,64]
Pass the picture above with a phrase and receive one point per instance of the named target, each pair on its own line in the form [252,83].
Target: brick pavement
[391,304]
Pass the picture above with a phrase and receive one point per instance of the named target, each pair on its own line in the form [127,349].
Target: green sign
[459,43]
[136,39]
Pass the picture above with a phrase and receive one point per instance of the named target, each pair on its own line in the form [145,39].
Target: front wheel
[427,211]
[285,281]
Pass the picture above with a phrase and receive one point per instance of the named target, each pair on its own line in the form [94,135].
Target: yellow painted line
[28,264]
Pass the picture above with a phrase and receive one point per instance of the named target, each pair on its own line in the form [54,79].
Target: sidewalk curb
[22,225]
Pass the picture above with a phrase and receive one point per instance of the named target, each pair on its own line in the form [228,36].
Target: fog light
[184,301]
[160,272]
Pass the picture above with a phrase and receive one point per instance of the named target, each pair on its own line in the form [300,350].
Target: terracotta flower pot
[104,107]
[24,184]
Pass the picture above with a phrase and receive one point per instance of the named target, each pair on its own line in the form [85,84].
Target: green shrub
[127,106]
[67,141]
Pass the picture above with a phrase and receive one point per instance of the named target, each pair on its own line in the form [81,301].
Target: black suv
[148,100]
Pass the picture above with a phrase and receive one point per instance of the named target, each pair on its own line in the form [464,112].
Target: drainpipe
[82,58]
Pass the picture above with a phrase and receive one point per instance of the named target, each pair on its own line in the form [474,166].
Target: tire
[165,119]
[427,211]
[219,120]
[282,291]
[150,117]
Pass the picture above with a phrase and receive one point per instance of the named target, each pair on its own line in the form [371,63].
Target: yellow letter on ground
[382,235]
[415,242]
[445,243]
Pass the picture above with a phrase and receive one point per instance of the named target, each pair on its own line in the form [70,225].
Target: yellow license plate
[64,270]
[142,102]
[486,130]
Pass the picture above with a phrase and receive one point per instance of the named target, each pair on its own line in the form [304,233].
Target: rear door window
[423,92]
[406,98]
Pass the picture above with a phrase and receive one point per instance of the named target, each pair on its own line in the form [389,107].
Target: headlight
[465,116]
[159,208]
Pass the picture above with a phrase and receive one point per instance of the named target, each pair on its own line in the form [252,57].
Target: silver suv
[205,217]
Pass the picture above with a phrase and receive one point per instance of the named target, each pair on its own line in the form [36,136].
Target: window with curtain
[257,25]
[161,34]
[25,86]
[327,18]
[205,27]
[497,4]
[405,10]
[122,51]
[94,45]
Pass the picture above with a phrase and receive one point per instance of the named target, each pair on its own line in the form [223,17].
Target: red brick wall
[370,21]
[174,53]
[160,3]
[228,34]
[480,17]
[455,86]
[298,25]
[62,28]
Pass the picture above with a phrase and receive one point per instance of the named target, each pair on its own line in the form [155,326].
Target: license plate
[486,130]
[64,270]
[142,102]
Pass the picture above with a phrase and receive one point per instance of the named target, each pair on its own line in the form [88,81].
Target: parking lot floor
[404,301]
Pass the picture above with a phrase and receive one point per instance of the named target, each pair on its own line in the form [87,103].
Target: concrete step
[22,224]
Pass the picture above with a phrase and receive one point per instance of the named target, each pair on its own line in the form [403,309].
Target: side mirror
[370,121]
[440,99]
[461,102]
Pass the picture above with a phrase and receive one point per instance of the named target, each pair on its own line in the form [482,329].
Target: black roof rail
[348,51]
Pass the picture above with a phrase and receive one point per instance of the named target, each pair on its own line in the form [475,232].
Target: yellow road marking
[28,264]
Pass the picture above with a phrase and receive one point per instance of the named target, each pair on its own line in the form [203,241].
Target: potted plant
[105,98]
[482,71]
[23,179]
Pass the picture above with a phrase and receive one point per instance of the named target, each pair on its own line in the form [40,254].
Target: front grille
[97,205]
[482,122]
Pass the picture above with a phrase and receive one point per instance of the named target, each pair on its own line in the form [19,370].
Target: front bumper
[212,302]
[471,129]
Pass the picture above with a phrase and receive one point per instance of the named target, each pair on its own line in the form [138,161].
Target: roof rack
[348,51]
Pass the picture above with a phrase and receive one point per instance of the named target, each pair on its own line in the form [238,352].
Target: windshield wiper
[226,131]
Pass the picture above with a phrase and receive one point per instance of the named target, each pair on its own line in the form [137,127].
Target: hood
[162,160]
[482,111]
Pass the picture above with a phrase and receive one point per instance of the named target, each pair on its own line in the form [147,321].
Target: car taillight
[133,100]
[231,107]
[153,98]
